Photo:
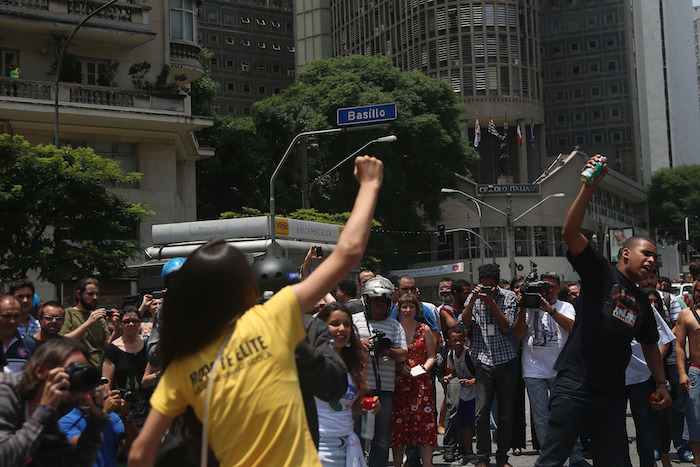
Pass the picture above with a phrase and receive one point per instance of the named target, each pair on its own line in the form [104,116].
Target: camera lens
[82,377]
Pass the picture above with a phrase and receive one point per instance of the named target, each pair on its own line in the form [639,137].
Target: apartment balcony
[184,59]
[123,23]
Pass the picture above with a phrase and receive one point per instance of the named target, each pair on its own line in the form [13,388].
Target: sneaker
[414,462]
[685,456]
[469,459]
[449,456]
[657,456]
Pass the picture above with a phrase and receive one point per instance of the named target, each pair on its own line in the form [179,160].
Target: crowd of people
[294,366]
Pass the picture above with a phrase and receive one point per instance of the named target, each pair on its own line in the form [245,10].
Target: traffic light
[442,236]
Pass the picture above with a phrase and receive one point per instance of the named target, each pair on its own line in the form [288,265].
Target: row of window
[614,137]
[576,46]
[576,22]
[231,41]
[213,16]
[562,71]
[247,67]
[590,92]
[247,88]
[609,112]
[529,241]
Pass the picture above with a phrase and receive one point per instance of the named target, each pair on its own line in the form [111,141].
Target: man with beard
[88,323]
[31,404]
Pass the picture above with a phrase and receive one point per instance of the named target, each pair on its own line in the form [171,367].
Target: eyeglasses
[22,297]
[54,318]
[129,321]
[14,317]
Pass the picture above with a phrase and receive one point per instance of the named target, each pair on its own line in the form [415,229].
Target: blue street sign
[371,113]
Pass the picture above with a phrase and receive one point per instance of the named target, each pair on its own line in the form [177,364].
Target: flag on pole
[532,131]
[493,130]
[505,126]
[520,136]
[477,134]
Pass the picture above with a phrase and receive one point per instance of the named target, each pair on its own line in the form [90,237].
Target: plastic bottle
[590,173]
[367,418]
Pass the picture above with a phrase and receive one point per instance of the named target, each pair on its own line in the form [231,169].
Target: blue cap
[170,268]
[37,300]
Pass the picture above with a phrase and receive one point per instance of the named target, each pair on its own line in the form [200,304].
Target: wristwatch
[666,383]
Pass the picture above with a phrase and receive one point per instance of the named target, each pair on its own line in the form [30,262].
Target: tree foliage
[203,90]
[428,153]
[674,194]
[58,217]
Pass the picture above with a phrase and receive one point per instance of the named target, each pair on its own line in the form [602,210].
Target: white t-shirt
[335,418]
[544,340]
[392,330]
[637,370]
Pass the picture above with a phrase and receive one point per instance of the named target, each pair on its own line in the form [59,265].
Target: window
[246,87]
[230,41]
[245,20]
[261,89]
[230,86]
[577,93]
[245,42]
[182,20]
[245,66]
[612,65]
[213,38]
[597,138]
[261,67]
[7,56]
[90,71]
[124,153]
[574,46]
[617,137]
[614,89]
[231,109]
[595,114]
[260,21]
[275,24]
[578,116]
[595,91]
[576,70]
[214,61]
[246,111]
[276,68]
[615,112]
[262,45]
[593,67]
[229,62]
[276,47]
[290,48]
[593,44]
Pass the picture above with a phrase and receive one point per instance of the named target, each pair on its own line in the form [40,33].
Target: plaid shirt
[500,347]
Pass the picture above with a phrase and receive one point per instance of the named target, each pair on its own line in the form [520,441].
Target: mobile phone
[319,251]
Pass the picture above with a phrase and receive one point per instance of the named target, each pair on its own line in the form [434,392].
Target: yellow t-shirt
[256,413]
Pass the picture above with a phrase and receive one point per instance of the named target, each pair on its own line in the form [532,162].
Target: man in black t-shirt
[589,390]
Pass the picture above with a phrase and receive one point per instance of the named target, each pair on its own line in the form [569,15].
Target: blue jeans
[638,396]
[379,451]
[491,380]
[571,406]
[538,391]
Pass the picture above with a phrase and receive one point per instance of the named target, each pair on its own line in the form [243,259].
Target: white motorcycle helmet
[377,287]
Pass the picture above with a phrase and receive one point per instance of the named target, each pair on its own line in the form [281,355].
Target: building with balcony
[254,50]
[150,132]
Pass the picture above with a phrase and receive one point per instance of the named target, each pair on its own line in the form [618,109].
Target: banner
[431,271]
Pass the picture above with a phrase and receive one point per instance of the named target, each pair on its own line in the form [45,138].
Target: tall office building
[254,50]
[487,50]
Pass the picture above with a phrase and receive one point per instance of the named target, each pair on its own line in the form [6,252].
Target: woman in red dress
[414,400]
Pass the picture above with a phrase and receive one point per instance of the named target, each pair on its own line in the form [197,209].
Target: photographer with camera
[489,314]
[87,323]
[543,324]
[385,340]
[56,379]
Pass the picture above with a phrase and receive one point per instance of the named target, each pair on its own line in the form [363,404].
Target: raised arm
[351,245]
[575,240]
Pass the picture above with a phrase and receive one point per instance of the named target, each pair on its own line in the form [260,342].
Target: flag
[532,132]
[493,130]
[520,136]
[505,126]
[477,134]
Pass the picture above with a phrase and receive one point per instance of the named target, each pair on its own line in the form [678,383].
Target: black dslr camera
[531,289]
[379,341]
[82,377]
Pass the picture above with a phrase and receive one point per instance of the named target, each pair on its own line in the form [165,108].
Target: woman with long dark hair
[339,445]
[233,361]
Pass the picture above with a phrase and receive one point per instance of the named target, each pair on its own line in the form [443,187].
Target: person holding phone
[488,316]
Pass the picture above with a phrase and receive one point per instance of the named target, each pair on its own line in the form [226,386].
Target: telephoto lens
[82,377]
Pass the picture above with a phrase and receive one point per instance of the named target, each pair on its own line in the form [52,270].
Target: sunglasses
[129,321]
[53,318]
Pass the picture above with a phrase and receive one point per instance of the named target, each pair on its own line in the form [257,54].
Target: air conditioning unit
[454,62]
[245,67]
[515,61]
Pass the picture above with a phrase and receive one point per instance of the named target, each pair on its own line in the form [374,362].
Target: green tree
[203,90]
[429,151]
[674,194]
[58,217]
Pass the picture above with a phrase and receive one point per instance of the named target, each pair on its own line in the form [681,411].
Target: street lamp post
[273,245]
[59,62]
[383,139]
[510,233]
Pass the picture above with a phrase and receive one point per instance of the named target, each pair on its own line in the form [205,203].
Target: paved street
[529,456]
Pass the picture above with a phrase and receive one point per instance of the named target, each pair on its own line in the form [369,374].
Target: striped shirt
[392,330]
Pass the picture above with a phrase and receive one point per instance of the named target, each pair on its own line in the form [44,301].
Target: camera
[487,289]
[126,394]
[158,294]
[533,288]
[82,377]
[379,341]
[319,251]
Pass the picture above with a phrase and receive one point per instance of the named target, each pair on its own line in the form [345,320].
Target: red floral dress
[414,403]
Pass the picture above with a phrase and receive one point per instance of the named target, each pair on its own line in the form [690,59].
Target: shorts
[466,413]
[692,407]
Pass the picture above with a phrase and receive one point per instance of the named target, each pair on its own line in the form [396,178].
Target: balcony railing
[125,12]
[117,12]
[99,96]
[33,4]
